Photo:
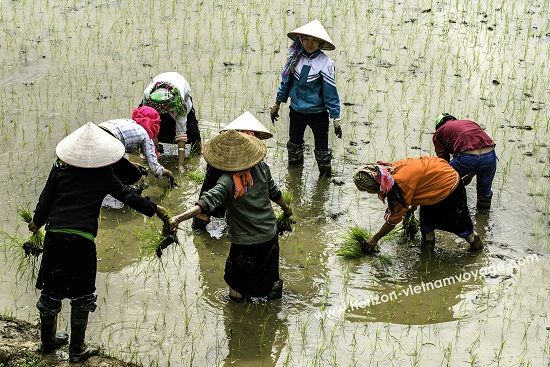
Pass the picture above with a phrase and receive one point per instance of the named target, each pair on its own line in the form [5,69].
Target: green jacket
[250,218]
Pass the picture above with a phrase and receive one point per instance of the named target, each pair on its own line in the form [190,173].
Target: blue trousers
[484,165]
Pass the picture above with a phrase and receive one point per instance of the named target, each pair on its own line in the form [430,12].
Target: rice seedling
[411,226]
[35,244]
[284,222]
[196,176]
[155,239]
[354,239]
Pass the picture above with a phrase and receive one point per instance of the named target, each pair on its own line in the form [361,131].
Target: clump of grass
[284,222]
[155,239]
[196,176]
[354,238]
[35,244]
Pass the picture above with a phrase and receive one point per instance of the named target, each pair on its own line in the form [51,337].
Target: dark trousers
[319,124]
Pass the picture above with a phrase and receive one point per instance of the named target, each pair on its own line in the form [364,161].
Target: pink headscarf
[149,119]
[377,176]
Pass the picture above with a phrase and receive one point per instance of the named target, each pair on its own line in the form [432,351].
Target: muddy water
[65,63]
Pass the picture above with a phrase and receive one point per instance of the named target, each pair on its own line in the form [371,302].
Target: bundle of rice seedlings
[27,266]
[411,226]
[35,244]
[284,222]
[196,176]
[155,239]
[354,240]
[384,259]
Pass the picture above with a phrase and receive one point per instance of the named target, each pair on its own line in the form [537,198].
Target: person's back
[472,150]
[457,136]
[128,132]
[250,218]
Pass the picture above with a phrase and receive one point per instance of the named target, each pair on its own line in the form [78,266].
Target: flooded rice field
[399,65]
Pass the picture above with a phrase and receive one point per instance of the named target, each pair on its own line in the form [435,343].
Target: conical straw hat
[248,122]
[90,147]
[234,151]
[315,29]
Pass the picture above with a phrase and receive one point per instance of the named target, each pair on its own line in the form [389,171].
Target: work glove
[337,128]
[274,112]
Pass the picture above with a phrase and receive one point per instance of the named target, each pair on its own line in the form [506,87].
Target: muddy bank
[19,339]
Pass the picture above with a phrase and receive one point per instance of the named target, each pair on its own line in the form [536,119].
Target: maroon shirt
[457,136]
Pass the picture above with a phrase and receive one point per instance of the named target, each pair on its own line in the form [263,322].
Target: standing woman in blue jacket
[308,78]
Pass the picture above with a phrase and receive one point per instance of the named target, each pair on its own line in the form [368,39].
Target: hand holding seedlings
[170,175]
[284,222]
[33,227]
[173,182]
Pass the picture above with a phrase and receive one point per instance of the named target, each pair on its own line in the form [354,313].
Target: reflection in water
[255,333]
[420,286]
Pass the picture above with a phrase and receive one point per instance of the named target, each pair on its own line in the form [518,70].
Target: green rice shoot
[19,249]
[384,259]
[35,244]
[155,239]
[411,226]
[354,239]
[287,196]
[196,176]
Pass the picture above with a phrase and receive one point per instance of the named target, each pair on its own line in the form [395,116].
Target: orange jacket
[423,181]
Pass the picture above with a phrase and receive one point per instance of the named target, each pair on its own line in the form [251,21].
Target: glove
[274,112]
[337,128]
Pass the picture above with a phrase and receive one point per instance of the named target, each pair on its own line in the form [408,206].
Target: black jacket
[72,198]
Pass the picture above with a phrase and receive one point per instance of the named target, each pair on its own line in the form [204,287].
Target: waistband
[479,150]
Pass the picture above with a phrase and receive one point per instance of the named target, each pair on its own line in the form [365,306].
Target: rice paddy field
[399,65]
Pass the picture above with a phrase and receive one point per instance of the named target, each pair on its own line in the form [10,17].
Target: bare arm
[188,214]
[373,241]
[286,209]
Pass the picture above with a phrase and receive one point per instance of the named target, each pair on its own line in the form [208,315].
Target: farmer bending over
[428,182]
[473,153]
[170,94]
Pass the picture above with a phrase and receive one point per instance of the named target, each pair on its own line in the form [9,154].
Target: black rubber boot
[78,350]
[484,202]
[476,243]
[324,158]
[295,154]
[276,291]
[49,339]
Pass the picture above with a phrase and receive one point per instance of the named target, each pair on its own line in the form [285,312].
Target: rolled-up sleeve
[148,147]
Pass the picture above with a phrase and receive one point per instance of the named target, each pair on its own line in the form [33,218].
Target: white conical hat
[248,122]
[315,29]
[90,147]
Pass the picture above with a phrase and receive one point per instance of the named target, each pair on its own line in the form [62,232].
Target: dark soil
[18,343]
